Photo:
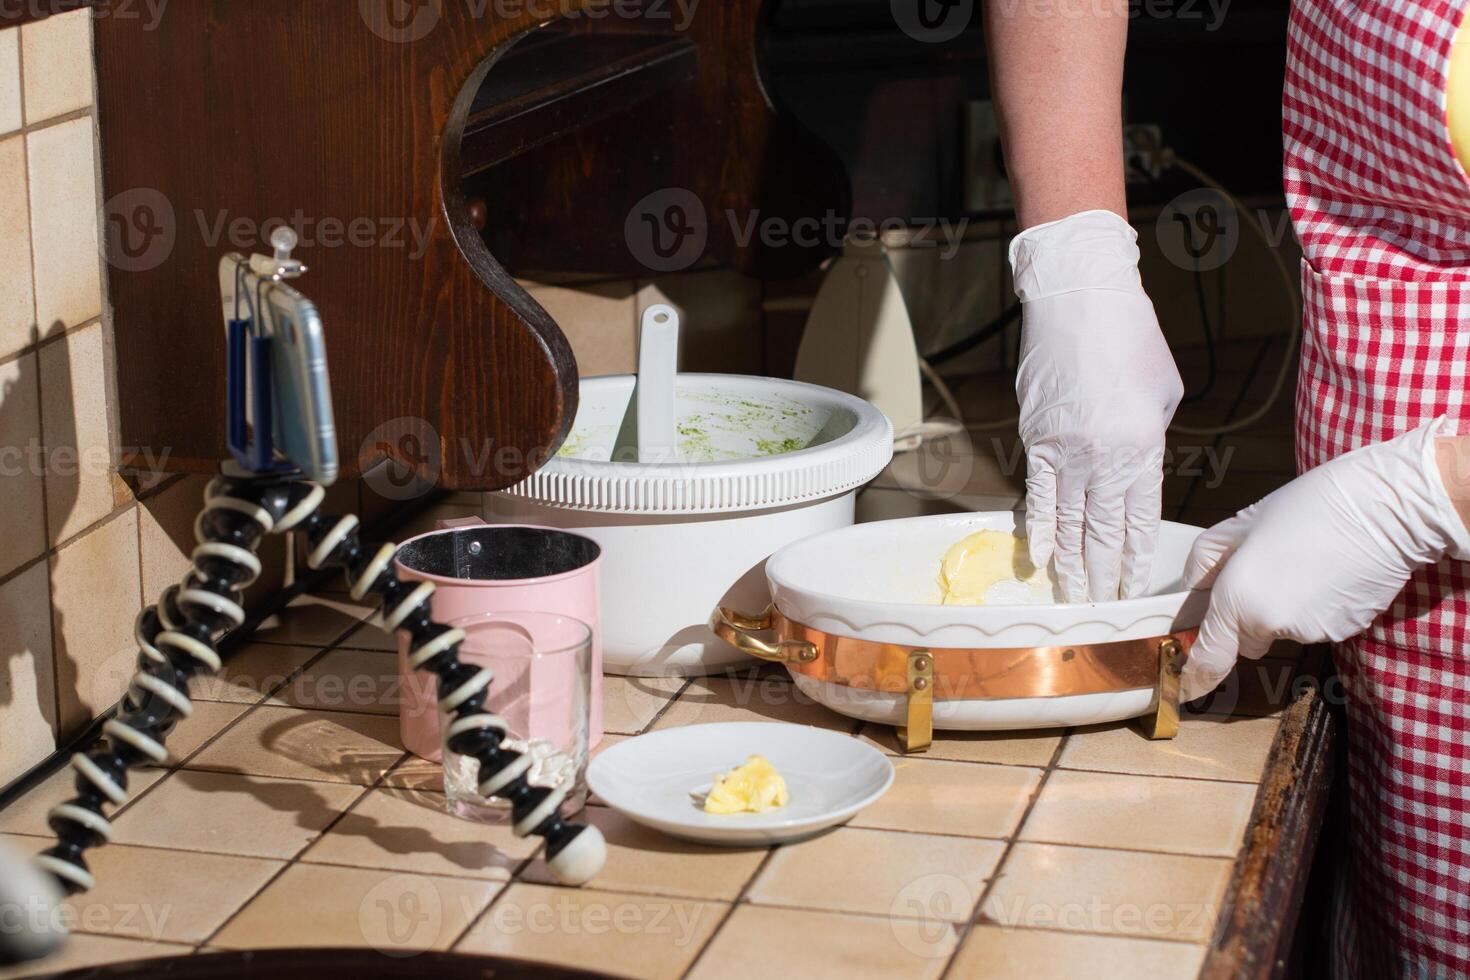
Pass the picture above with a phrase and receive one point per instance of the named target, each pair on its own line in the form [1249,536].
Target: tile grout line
[180,765]
[970,920]
[51,339]
[739,899]
[1054,930]
[495,899]
[48,546]
[295,859]
[667,705]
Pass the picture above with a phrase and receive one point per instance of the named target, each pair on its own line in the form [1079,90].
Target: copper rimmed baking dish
[856,620]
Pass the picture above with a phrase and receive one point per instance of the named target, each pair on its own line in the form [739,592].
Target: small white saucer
[658,780]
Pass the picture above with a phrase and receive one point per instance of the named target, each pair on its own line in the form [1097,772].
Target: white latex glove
[1097,387]
[1320,558]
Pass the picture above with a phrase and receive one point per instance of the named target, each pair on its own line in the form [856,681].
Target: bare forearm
[1057,78]
[1453,456]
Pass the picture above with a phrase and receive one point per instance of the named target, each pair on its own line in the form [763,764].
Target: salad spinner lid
[743,443]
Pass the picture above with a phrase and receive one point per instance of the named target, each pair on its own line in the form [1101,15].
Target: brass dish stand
[954,674]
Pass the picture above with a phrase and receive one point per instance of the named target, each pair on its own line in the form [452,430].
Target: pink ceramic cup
[482,568]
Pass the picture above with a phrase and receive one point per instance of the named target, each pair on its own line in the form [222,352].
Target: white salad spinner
[689,482]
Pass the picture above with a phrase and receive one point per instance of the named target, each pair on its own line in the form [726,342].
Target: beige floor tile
[1079,889]
[163,896]
[63,176]
[392,911]
[759,943]
[716,699]
[1145,813]
[608,741]
[17,298]
[880,873]
[27,673]
[348,680]
[998,953]
[94,598]
[630,703]
[1004,748]
[416,774]
[1205,748]
[334,746]
[369,637]
[83,951]
[253,670]
[966,798]
[312,621]
[74,426]
[409,830]
[22,519]
[208,719]
[166,533]
[10,85]
[628,935]
[225,813]
[27,815]
[643,861]
[57,56]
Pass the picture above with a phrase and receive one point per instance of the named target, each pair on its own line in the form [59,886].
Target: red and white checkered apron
[1382,209]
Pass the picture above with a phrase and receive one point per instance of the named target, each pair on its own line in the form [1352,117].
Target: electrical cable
[1294,332]
[933,428]
[914,436]
[966,344]
[1209,335]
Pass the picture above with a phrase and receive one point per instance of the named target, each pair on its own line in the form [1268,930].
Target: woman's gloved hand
[1097,387]
[1320,558]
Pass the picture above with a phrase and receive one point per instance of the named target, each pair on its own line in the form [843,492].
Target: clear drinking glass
[542,665]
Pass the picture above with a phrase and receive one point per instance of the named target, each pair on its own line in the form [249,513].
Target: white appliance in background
[859,338]
[688,482]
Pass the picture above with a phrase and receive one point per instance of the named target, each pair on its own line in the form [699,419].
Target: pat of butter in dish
[974,566]
[752,788]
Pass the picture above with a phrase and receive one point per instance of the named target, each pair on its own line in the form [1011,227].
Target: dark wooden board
[232,113]
[713,166]
[254,111]
[310,964]
[1264,898]
[567,82]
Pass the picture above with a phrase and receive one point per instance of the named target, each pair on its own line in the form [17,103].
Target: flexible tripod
[177,640]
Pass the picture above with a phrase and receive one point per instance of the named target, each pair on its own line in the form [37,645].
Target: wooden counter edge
[1264,898]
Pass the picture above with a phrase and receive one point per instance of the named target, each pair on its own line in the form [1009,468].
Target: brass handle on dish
[738,630]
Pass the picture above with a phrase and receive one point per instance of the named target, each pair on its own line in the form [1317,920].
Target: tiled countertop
[294,819]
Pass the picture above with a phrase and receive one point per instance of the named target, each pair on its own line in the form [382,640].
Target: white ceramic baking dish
[857,622]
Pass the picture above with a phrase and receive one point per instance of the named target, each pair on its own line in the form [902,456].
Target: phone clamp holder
[249,398]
